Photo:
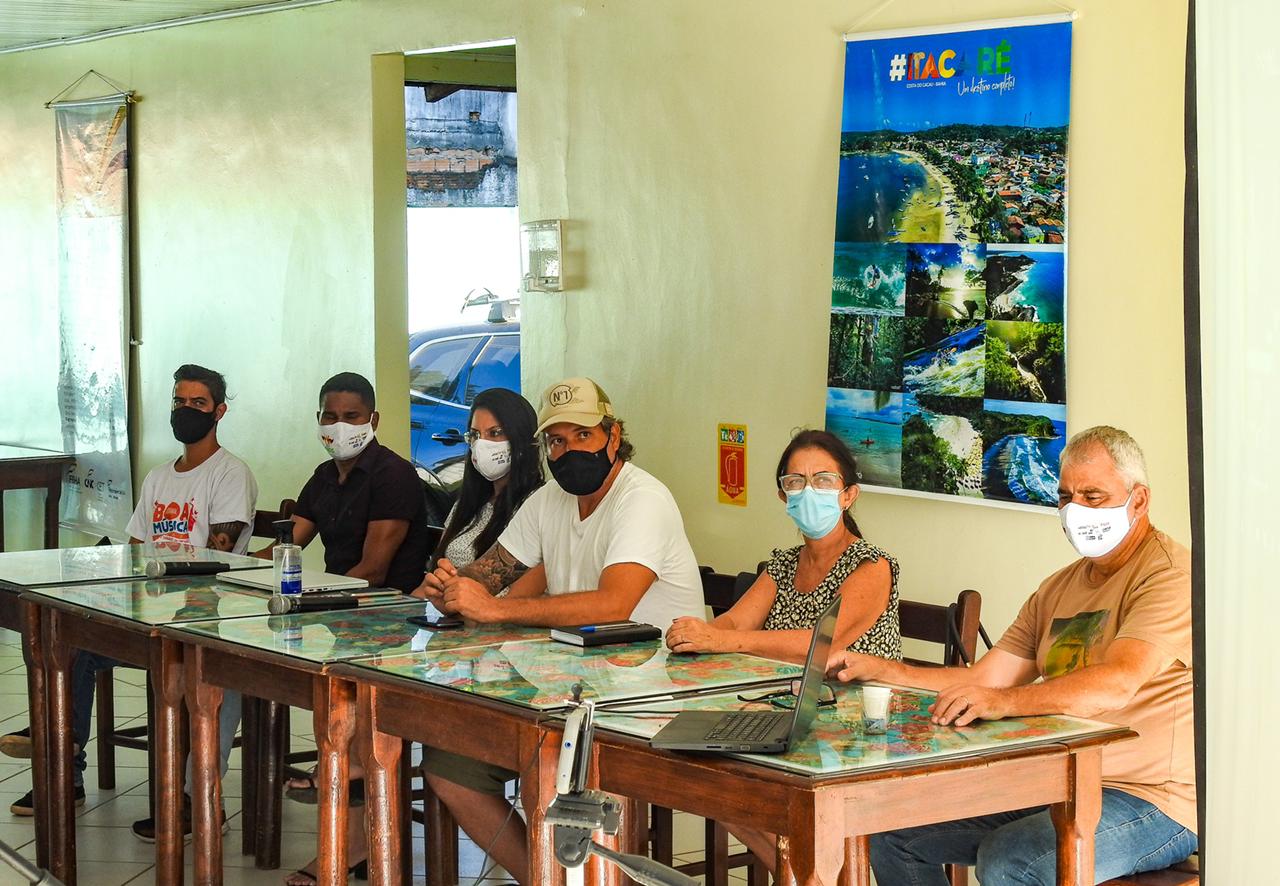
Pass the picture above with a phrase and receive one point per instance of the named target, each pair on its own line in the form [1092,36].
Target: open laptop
[264,580]
[757,732]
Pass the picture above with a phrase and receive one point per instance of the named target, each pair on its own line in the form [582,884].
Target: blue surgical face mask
[816,512]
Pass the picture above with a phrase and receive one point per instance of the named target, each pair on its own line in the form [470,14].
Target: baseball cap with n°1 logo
[579,401]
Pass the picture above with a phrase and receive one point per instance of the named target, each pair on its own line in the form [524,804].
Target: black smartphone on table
[435,622]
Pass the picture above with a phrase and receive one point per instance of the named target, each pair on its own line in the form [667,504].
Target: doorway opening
[461,194]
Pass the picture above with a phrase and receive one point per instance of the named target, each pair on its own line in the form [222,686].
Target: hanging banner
[946,366]
[93,298]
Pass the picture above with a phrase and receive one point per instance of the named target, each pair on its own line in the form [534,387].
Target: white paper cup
[875,709]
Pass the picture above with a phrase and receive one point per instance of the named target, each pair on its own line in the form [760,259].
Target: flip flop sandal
[310,793]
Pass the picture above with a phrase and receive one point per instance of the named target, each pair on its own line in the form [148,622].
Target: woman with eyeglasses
[818,482]
[503,467]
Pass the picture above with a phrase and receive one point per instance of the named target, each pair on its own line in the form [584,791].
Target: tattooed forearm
[223,536]
[495,569]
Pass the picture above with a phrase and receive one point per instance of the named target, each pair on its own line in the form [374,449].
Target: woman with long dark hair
[503,468]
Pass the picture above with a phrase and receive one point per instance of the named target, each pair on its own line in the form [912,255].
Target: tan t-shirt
[1071,621]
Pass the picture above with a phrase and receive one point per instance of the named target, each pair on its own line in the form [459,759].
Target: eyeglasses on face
[825,481]
[495,433]
[785,696]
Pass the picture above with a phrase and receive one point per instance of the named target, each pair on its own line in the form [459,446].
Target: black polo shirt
[381,486]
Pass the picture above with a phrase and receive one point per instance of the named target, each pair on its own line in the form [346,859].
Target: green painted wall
[691,147]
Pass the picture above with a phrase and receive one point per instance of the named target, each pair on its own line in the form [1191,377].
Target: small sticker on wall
[731,441]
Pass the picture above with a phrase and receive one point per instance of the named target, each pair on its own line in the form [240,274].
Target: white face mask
[1095,532]
[491,458]
[343,441]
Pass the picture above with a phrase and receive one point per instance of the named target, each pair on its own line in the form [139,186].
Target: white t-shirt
[637,522]
[177,508]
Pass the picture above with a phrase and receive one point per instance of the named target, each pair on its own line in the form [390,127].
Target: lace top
[461,549]
[796,610]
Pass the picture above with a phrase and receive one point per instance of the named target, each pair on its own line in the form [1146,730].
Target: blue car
[447,368]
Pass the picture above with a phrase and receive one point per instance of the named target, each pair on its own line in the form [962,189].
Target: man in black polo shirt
[366,502]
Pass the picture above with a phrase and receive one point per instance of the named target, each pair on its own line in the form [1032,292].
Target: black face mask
[581,473]
[190,424]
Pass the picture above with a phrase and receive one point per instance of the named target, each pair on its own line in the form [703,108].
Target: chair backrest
[954,626]
[717,590]
[262,520]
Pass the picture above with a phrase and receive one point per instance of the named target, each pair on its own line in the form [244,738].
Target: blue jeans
[1019,847]
[84,672]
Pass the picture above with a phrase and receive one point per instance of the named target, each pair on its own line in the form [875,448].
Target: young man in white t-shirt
[204,498]
[605,542]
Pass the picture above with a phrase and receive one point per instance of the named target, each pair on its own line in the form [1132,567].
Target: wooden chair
[1185,873]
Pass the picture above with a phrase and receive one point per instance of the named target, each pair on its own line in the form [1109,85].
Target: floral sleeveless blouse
[794,610]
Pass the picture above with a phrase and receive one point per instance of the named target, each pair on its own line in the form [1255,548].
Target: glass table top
[161,602]
[32,569]
[838,744]
[540,673]
[346,634]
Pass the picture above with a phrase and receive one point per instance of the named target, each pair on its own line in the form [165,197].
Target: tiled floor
[108,854]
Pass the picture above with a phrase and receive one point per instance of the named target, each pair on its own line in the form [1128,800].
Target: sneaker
[26,806]
[17,744]
[145,828]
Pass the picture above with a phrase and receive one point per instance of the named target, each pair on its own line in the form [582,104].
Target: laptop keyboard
[750,726]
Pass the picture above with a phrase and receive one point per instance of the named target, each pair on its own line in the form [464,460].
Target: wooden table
[501,705]
[289,660]
[824,797]
[121,620]
[22,571]
[23,467]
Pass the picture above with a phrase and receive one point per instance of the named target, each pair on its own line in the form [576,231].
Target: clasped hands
[459,595]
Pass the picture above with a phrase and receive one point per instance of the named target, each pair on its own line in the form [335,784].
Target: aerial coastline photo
[1025,283]
[870,422]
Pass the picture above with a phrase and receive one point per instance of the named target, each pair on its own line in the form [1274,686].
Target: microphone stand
[576,813]
[30,873]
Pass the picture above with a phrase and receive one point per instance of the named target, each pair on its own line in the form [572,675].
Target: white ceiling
[34,22]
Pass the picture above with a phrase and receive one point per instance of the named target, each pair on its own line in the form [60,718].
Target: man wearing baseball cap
[604,542]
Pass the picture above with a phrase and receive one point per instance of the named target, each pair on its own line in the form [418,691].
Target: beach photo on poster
[1022,444]
[869,278]
[1025,361]
[1025,284]
[865,351]
[943,357]
[870,422]
[941,444]
[945,281]
[964,140]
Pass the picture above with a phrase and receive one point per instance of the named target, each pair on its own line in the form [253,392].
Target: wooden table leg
[812,852]
[539,754]
[334,724]
[857,862]
[37,713]
[715,852]
[203,702]
[58,740]
[249,737]
[52,498]
[273,742]
[382,785]
[1076,818]
[166,672]
[441,833]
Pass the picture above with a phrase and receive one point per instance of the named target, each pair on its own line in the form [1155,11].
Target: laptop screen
[815,670]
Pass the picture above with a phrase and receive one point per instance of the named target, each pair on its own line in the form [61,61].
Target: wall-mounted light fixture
[540,255]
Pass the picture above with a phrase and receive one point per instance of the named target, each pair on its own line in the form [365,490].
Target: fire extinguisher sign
[732,443]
